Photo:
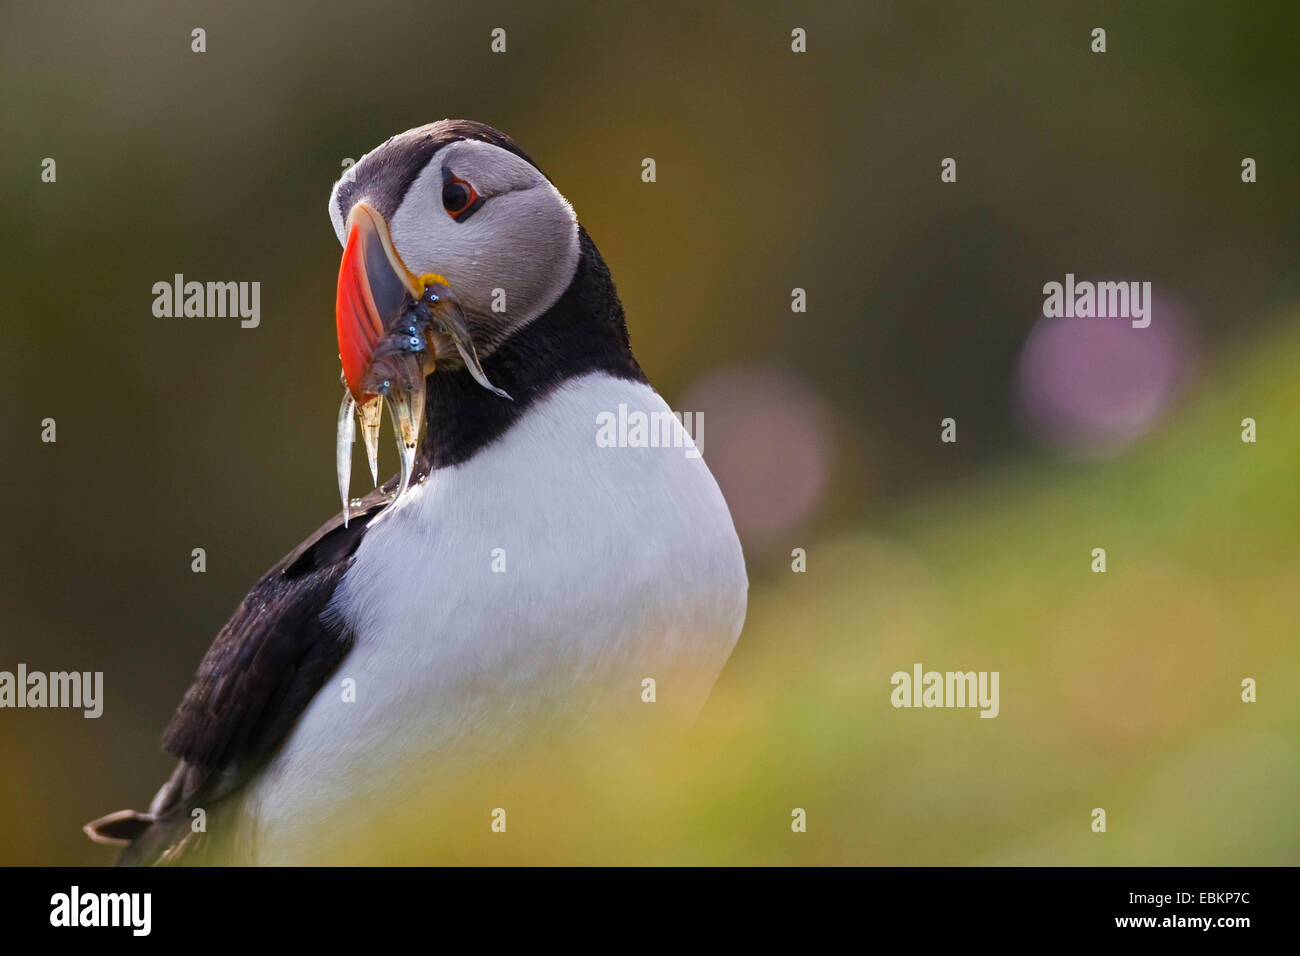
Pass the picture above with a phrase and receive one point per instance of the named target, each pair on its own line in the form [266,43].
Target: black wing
[265,666]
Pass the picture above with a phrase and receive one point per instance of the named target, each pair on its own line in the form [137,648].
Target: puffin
[516,581]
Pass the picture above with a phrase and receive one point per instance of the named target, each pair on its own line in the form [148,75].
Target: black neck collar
[584,331]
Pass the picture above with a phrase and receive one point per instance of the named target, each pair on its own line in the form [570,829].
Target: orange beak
[373,287]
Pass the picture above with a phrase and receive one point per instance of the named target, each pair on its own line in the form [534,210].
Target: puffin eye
[459,198]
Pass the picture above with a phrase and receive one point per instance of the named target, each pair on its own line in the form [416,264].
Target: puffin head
[455,216]
[458,252]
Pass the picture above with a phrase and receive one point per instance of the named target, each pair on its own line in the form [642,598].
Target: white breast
[619,564]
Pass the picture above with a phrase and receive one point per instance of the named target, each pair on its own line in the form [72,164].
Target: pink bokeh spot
[1090,386]
[767,439]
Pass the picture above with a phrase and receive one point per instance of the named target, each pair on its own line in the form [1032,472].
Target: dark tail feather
[147,840]
[118,829]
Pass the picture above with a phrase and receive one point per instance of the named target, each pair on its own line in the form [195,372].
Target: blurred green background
[775,171]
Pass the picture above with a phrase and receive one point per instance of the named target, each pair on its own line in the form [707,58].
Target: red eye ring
[459,198]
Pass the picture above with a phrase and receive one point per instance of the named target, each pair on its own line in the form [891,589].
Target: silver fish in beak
[384,317]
